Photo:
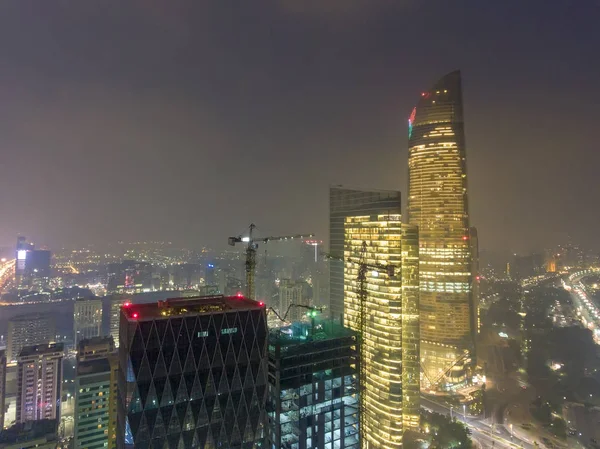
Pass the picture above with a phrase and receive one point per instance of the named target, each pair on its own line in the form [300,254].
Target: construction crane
[312,313]
[252,246]
[363,268]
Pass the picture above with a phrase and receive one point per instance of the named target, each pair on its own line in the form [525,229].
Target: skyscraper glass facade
[313,387]
[344,202]
[437,204]
[193,374]
[377,239]
[411,366]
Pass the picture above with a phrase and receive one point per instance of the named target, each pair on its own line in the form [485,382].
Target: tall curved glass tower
[437,204]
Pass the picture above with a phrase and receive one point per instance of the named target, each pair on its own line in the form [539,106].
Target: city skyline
[163,114]
[429,166]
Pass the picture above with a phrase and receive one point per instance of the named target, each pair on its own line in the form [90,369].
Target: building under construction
[313,386]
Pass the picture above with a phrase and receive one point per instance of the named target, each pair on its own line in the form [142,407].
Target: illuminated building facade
[28,330]
[92,403]
[193,374]
[382,240]
[475,318]
[437,204]
[2,388]
[39,382]
[313,385]
[345,202]
[103,348]
[116,302]
[411,366]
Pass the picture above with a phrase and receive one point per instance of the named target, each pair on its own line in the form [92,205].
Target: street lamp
[465,412]
[511,431]
[451,408]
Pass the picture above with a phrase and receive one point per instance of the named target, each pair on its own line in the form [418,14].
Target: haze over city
[148,120]
[299,224]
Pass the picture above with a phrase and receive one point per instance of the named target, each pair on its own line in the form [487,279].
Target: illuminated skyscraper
[476,322]
[89,351]
[378,240]
[437,204]
[39,382]
[344,203]
[92,400]
[28,330]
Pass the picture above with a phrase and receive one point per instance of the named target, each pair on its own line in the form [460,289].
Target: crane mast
[252,246]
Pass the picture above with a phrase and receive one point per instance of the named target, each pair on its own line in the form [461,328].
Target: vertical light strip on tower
[411,366]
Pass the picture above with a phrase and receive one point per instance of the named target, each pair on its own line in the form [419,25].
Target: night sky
[187,120]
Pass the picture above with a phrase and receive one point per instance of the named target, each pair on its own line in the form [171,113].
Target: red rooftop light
[127,304]
[260,303]
[134,315]
[465,237]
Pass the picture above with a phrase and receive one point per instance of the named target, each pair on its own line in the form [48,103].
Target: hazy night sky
[187,120]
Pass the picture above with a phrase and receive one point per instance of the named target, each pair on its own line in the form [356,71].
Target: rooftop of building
[29,430]
[28,317]
[189,306]
[93,367]
[96,341]
[41,349]
[89,299]
[301,332]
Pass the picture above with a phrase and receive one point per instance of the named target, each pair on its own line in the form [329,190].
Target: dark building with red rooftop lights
[193,373]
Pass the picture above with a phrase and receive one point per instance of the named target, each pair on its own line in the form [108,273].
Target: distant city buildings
[2,388]
[39,382]
[87,319]
[193,373]
[131,276]
[313,386]
[27,330]
[293,293]
[524,266]
[32,266]
[437,204]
